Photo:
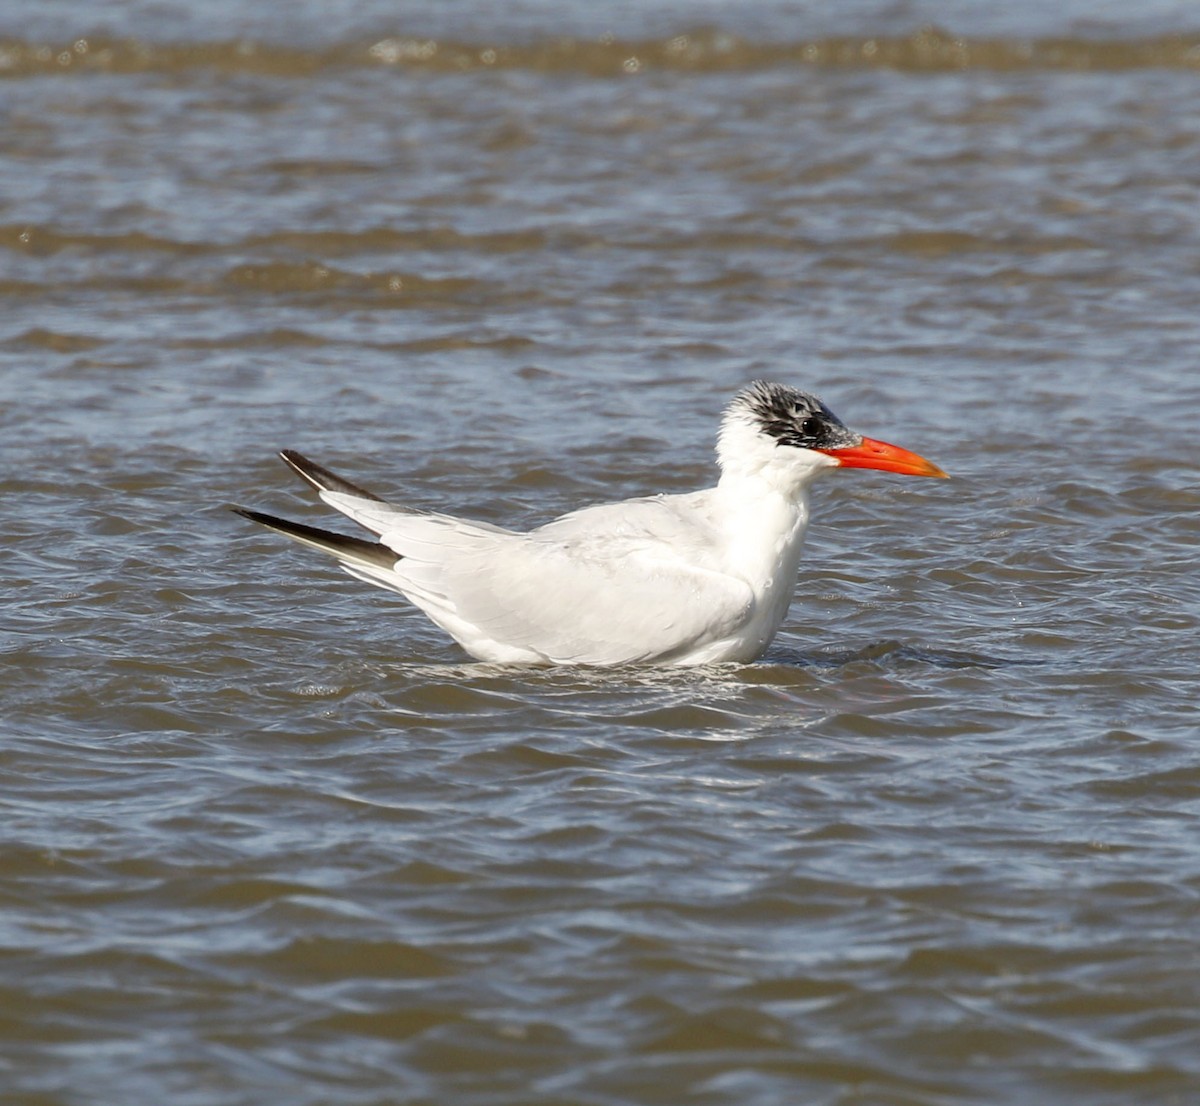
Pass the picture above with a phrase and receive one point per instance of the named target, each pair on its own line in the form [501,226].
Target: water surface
[269,836]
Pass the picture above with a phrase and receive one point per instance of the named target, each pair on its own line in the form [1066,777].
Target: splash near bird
[698,578]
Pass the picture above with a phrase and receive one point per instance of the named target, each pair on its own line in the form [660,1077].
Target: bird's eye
[811,427]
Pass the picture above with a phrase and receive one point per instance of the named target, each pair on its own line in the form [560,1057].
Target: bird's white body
[686,579]
[682,579]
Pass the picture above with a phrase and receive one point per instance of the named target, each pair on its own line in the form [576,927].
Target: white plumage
[679,579]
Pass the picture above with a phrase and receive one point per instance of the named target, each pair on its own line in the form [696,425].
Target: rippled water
[269,837]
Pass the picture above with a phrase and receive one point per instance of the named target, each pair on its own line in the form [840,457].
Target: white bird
[697,578]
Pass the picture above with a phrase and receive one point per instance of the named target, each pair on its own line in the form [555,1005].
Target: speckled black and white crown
[791,417]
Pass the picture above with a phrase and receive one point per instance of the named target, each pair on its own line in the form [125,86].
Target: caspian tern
[697,578]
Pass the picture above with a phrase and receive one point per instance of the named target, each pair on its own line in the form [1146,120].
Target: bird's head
[790,436]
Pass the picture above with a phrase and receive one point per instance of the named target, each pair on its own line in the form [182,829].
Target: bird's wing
[600,587]
[349,551]
[611,584]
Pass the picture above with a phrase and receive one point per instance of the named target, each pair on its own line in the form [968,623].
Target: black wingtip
[321,478]
[341,546]
[253,516]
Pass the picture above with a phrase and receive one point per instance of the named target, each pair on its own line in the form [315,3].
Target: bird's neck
[764,528]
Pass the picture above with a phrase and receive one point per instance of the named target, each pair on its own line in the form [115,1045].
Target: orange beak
[872,454]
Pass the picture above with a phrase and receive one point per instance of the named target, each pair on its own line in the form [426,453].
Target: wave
[41,240]
[36,239]
[930,49]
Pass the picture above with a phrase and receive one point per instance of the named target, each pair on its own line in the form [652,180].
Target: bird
[703,577]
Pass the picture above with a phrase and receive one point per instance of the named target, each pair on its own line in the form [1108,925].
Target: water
[269,836]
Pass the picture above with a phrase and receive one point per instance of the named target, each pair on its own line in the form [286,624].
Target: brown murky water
[268,837]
